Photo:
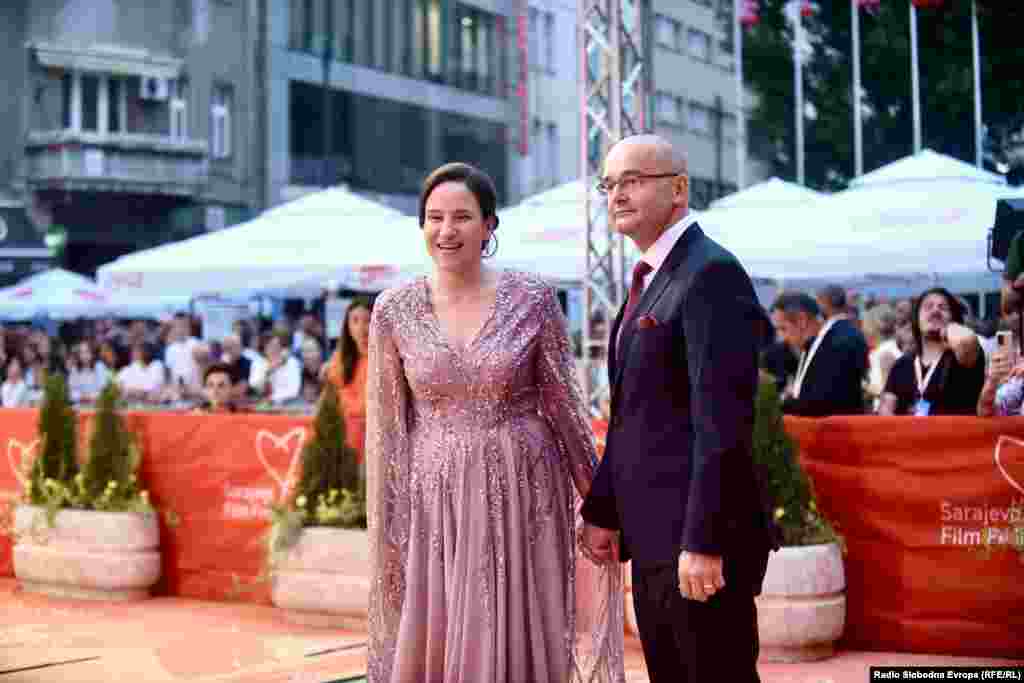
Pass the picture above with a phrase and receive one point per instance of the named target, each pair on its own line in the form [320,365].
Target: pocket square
[646,322]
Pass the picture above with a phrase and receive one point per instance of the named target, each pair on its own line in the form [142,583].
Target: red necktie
[640,271]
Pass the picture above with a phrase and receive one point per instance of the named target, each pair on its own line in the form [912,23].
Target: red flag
[928,4]
[806,9]
[869,5]
[749,14]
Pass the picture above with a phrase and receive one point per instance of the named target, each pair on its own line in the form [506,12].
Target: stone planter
[324,579]
[87,554]
[802,607]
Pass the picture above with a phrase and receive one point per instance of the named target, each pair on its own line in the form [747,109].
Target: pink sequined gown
[471,459]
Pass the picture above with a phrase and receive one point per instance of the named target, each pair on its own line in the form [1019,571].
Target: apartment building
[694,99]
[122,119]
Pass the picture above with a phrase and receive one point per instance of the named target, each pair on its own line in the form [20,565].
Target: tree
[58,435]
[109,478]
[946,85]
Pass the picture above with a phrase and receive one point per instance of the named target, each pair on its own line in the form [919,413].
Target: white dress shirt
[658,252]
[14,394]
[285,381]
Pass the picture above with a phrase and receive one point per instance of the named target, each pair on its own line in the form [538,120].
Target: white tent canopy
[61,295]
[294,249]
[926,165]
[771,193]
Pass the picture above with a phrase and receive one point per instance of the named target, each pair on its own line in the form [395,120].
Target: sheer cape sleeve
[597,624]
[388,416]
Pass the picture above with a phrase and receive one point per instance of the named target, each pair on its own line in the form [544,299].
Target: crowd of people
[925,355]
[261,365]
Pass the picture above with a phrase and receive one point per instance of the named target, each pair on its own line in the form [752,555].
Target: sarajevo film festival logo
[290,443]
[253,502]
[991,525]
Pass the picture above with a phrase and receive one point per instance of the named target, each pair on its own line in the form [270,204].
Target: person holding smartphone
[1003,392]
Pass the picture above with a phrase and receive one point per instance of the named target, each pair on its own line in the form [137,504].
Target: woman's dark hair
[348,349]
[956,308]
[475,180]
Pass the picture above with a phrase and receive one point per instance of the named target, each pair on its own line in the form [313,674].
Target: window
[115,105]
[699,119]
[90,102]
[729,127]
[666,108]
[66,99]
[478,45]
[434,58]
[297,24]
[549,41]
[541,44]
[553,153]
[724,17]
[220,121]
[179,110]
[666,31]
[534,36]
[699,44]
[94,102]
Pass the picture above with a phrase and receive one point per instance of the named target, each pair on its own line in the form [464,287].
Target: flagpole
[858,140]
[741,121]
[976,49]
[798,77]
[914,84]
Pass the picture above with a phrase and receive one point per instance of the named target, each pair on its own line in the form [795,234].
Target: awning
[108,59]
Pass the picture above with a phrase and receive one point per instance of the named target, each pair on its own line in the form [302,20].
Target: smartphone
[1004,339]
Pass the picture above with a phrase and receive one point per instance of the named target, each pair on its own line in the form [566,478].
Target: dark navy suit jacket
[677,472]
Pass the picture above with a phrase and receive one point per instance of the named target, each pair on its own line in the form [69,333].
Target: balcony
[122,162]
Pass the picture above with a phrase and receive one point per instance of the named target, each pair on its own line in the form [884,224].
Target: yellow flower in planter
[300,502]
[780,513]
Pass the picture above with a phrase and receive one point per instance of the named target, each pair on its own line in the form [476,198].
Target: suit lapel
[650,297]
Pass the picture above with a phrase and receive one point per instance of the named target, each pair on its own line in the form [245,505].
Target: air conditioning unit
[153,88]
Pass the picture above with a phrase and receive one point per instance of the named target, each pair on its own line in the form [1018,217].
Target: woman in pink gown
[478,449]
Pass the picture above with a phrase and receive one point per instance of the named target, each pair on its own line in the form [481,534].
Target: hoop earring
[490,242]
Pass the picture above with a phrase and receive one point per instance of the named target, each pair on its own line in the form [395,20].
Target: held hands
[700,576]
[600,546]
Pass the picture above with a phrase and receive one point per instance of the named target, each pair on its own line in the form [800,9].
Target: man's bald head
[647,187]
[660,150]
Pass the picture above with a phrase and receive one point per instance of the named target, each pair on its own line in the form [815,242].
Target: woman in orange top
[347,371]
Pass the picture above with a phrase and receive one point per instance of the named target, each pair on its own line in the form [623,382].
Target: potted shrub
[318,548]
[86,532]
[802,608]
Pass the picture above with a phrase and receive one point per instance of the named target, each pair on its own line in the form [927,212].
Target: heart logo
[283,443]
[1013,469]
[20,468]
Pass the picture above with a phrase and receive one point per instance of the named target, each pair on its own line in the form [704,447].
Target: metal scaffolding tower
[614,42]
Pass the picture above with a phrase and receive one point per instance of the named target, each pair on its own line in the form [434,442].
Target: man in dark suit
[833,358]
[676,490]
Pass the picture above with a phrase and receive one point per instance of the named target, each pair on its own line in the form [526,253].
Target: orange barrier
[915,498]
[213,478]
[930,509]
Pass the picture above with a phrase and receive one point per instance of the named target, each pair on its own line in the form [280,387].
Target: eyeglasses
[629,182]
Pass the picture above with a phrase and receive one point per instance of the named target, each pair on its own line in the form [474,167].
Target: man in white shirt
[284,373]
[179,356]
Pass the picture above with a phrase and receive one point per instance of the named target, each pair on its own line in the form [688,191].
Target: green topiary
[57,462]
[331,490]
[109,480]
[796,513]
